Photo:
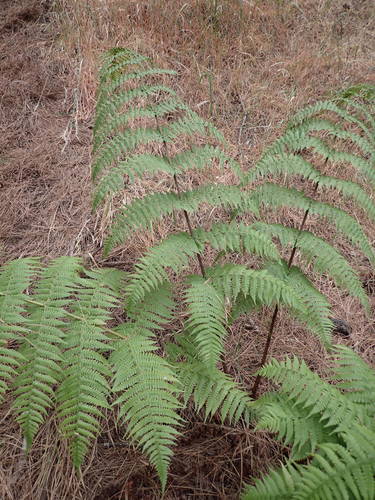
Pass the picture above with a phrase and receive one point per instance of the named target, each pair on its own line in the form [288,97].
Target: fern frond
[292,424]
[150,271]
[356,377]
[176,250]
[206,322]
[334,473]
[213,391]
[111,104]
[139,164]
[316,312]
[277,196]
[238,238]
[42,348]
[293,165]
[15,278]
[279,484]
[85,389]
[306,113]
[261,286]
[141,213]
[118,58]
[146,388]
[155,309]
[322,255]
[124,142]
[318,397]
[112,123]
[293,138]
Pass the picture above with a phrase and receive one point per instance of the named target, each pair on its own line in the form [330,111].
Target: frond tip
[146,388]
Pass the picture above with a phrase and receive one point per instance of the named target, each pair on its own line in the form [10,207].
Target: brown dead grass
[265,60]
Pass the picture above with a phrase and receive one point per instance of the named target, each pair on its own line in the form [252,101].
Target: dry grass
[264,59]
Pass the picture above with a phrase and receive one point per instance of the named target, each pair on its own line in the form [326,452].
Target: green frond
[316,312]
[293,165]
[294,142]
[260,285]
[150,271]
[293,138]
[120,120]
[321,255]
[142,212]
[338,474]
[118,57]
[139,164]
[334,473]
[110,105]
[318,397]
[207,319]
[279,484]
[84,389]
[308,112]
[15,278]
[364,91]
[356,377]
[155,309]
[146,390]
[213,391]
[238,238]
[175,251]
[278,196]
[199,156]
[42,346]
[292,424]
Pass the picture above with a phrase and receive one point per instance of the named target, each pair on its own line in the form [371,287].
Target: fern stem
[188,222]
[178,190]
[71,315]
[254,392]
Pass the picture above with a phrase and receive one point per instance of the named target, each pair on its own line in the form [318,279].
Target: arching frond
[146,390]
[206,322]
[292,424]
[116,122]
[213,391]
[141,213]
[293,138]
[138,164]
[321,254]
[294,165]
[299,383]
[155,309]
[238,238]
[150,271]
[316,312]
[277,196]
[84,389]
[260,285]
[40,369]
[356,377]
[309,111]
[15,278]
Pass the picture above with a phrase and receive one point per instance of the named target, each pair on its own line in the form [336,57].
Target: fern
[324,422]
[15,278]
[211,389]
[57,350]
[143,212]
[277,196]
[147,399]
[42,348]
[322,255]
[85,386]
